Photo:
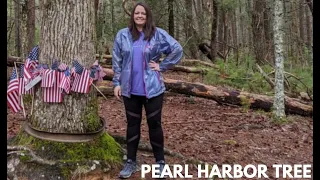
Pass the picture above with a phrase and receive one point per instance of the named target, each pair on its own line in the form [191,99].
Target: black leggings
[153,109]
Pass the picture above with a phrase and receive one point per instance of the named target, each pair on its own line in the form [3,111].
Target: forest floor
[204,130]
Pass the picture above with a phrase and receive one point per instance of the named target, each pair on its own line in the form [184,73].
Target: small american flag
[77,67]
[53,94]
[48,78]
[62,67]
[82,82]
[34,54]
[40,70]
[30,63]
[96,71]
[65,82]
[13,98]
[23,83]
[55,65]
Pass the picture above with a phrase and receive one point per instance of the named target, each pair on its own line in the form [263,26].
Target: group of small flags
[56,81]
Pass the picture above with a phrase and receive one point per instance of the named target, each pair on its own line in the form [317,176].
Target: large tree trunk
[221,95]
[279,101]
[67,33]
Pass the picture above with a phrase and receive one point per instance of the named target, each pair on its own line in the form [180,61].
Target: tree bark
[67,33]
[279,97]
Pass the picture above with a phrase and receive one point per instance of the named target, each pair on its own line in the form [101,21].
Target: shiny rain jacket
[160,43]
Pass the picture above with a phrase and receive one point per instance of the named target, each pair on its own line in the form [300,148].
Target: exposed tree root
[23,151]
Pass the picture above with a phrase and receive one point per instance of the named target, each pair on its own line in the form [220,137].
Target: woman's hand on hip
[117,92]
[154,66]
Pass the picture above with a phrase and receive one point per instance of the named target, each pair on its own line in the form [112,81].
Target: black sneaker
[129,168]
[161,167]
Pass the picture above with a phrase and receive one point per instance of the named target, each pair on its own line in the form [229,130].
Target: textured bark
[222,95]
[67,32]
[279,104]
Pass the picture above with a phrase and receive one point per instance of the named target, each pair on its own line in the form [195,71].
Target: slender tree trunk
[171,18]
[225,32]
[30,24]
[308,24]
[190,30]
[268,32]
[220,29]
[17,12]
[257,30]
[67,32]
[278,105]
[301,27]
[310,4]
[214,31]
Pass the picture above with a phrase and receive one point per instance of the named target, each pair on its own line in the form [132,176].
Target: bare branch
[124,2]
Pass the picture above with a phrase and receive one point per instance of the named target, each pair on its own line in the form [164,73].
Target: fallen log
[195,62]
[234,97]
[107,63]
[11,59]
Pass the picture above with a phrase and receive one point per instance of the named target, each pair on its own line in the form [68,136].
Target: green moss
[245,103]
[103,148]
[24,158]
[27,99]
[91,118]
[71,156]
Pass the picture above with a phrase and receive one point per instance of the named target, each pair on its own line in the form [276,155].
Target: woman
[137,79]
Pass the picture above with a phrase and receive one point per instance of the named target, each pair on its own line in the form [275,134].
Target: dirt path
[199,128]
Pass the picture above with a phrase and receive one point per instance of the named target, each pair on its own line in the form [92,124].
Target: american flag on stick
[48,78]
[53,94]
[65,81]
[82,82]
[30,63]
[23,83]
[13,98]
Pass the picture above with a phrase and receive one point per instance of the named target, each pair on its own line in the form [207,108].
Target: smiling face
[140,17]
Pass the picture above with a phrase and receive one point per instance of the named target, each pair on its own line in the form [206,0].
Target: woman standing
[137,78]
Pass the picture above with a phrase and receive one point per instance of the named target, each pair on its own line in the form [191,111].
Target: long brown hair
[149,27]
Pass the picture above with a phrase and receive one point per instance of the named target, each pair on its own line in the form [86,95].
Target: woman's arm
[171,48]
[116,60]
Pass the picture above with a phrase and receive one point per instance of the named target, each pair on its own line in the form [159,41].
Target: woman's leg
[153,109]
[133,107]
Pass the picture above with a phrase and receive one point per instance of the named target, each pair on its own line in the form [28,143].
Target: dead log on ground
[195,62]
[234,97]
[11,59]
